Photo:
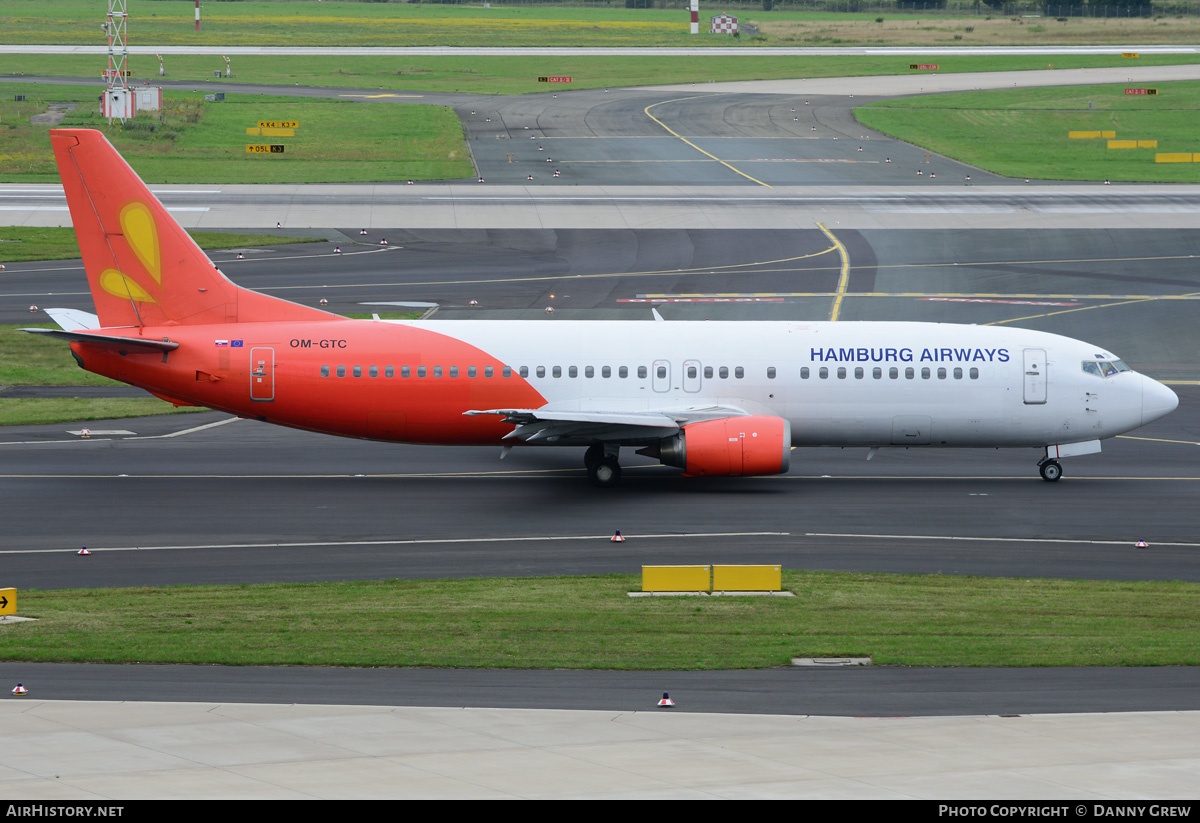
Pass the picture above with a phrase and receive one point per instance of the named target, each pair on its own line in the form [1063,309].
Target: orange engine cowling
[755,444]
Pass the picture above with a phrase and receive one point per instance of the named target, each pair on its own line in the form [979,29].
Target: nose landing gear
[1050,470]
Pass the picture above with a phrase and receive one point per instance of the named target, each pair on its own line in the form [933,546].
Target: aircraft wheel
[1051,470]
[592,456]
[605,473]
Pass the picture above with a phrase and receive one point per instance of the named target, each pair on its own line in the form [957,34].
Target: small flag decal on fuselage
[235,344]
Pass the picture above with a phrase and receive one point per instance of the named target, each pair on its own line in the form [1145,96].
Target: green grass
[588,622]
[24,244]
[518,75]
[1023,133]
[199,142]
[39,360]
[34,411]
[408,24]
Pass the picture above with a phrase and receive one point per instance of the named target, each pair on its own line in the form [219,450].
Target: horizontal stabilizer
[74,319]
[108,342]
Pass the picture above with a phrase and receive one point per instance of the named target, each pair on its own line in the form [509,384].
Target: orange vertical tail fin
[142,267]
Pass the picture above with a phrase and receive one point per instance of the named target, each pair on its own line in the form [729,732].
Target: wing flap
[570,427]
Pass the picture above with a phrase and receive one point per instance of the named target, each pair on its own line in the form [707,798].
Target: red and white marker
[1142,544]
[666,701]
[616,538]
[20,690]
[83,552]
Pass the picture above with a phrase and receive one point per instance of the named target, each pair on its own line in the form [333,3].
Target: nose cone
[1157,400]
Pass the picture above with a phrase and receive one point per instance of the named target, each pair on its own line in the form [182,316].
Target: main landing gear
[602,466]
[1050,470]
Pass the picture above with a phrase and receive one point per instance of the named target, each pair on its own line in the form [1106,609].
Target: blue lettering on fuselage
[907,355]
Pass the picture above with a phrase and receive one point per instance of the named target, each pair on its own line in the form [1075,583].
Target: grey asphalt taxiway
[181,500]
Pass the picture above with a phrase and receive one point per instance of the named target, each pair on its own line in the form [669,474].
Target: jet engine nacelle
[755,444]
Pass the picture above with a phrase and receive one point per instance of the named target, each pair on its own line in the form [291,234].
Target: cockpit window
[1104,368]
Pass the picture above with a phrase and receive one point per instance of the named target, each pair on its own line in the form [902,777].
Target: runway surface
[294,506]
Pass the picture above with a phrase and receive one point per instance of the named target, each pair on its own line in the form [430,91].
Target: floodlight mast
[118,56]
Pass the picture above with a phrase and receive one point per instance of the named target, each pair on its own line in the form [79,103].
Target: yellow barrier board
[1129,54]
[8,601]
[1083,135]
[676,578]
[1147,144]
[269,132]
[747,578]
[1173,157]
[1122,144]
[252,132]
[1108,134]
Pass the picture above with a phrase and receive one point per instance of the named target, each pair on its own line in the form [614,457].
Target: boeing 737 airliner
[712,398]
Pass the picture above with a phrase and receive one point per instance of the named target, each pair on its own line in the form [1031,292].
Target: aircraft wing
[574,427]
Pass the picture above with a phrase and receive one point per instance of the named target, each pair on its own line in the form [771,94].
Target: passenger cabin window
[406,371]
[507,371]
[389,371]
[858,372]
[524,372]
[373,371]
[556,371]
[724,372]
[421,371]
[358,371]
[541,371]
[804,373]
[588,371]
[708,372]
[623,371]
[573,371]
[662,372]
[739,372]
[471,371]
[324,371]
[841,372]
[606,371]
[770,372]
[642,372]
[341,371]
[823,373]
